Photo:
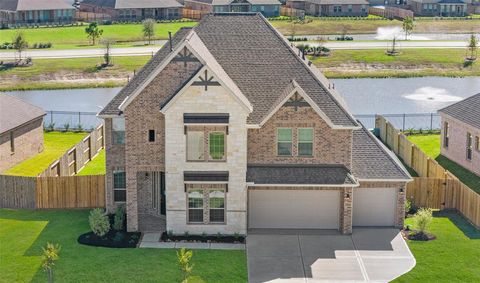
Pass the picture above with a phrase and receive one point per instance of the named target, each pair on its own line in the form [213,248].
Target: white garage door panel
[374,207]
[293,209]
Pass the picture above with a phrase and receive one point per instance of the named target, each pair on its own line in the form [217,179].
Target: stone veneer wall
[28,141]
[215,100]
[330,146]
[457,145]
[141,115]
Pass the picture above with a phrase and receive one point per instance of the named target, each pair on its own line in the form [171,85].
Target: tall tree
[149,29]
[20,43]
[93,32]
[408,25]
[472,47]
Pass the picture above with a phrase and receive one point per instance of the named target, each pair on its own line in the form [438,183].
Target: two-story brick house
[227,129]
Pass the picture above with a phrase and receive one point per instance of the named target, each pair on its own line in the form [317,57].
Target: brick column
[401,199]
[132,205]
[346,211]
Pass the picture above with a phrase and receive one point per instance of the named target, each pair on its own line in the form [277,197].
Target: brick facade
[262,143]
[28,141]
[457,145]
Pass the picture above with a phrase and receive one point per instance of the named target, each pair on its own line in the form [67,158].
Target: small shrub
[186,233]
[119,218]
[408,206]
[119,236]
[66,126]
[170,233]
[236,235]
[99,222]
[50,255]
[184,257]
[422,219]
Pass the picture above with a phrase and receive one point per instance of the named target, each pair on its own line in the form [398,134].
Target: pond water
[363,96]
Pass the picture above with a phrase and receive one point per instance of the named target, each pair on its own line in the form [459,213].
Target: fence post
[431,121]
[403,126]
[79,119]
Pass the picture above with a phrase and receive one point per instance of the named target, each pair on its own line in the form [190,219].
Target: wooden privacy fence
[52,192]
[291,12]
[436,187]
[80,154]
[193,14]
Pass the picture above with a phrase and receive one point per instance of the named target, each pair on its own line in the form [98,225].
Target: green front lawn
[23,233]
[75,36]
[96,166]
[452,257]
[430,144]
[55,145]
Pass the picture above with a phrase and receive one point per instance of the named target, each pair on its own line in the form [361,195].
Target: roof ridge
[308,68]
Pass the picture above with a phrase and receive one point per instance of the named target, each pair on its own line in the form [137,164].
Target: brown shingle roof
[467,110]
[15,112]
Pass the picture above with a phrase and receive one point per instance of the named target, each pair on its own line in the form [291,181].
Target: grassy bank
[333,26]
[410,63]
[70,73]
[75,36]
[86,73]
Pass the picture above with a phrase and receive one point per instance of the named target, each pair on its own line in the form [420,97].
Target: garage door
[293,209]
[374,207]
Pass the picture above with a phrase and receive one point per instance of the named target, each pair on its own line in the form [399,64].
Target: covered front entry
[293,209]
[374,206]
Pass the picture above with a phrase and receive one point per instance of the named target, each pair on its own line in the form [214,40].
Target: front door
[158,193]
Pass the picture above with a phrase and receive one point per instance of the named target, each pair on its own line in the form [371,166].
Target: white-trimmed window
[195,143]
[305,141]
[195,206]
[216,142]
[284,141]
[216,199]
[118,130]
[477,143]
[119,186]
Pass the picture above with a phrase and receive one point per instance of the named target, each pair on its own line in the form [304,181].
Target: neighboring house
[229,130]
[35,11]
[21,131]
[126,10]
[331,8]
[461,133]
[443,8]
[269,8]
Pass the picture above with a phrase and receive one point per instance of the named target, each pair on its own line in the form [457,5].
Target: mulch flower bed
[113,239]
[417,236]
[203,238]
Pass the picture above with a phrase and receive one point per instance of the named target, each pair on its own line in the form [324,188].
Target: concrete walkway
[368,255]
[152,240]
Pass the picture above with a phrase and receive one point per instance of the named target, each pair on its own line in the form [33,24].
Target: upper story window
[284,141]
[195,142]
[305,142]
[469,146]
[118,130]
[151,135]
[446,133]
[216,142]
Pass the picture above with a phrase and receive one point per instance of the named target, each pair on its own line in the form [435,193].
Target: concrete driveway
[368,255]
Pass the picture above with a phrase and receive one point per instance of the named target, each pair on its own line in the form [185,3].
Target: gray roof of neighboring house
[33,5]
[134,4]
[372,160]
[467,110]
[259,61]
[299,174]
[336,2]
[228,2]
[15,112]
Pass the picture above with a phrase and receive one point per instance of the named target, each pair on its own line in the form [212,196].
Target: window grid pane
[305,142]
[119,180]
[217,206]
[217,145]
[195,145]
[284,135]
[195,206]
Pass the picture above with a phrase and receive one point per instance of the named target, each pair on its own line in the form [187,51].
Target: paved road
[148,50]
